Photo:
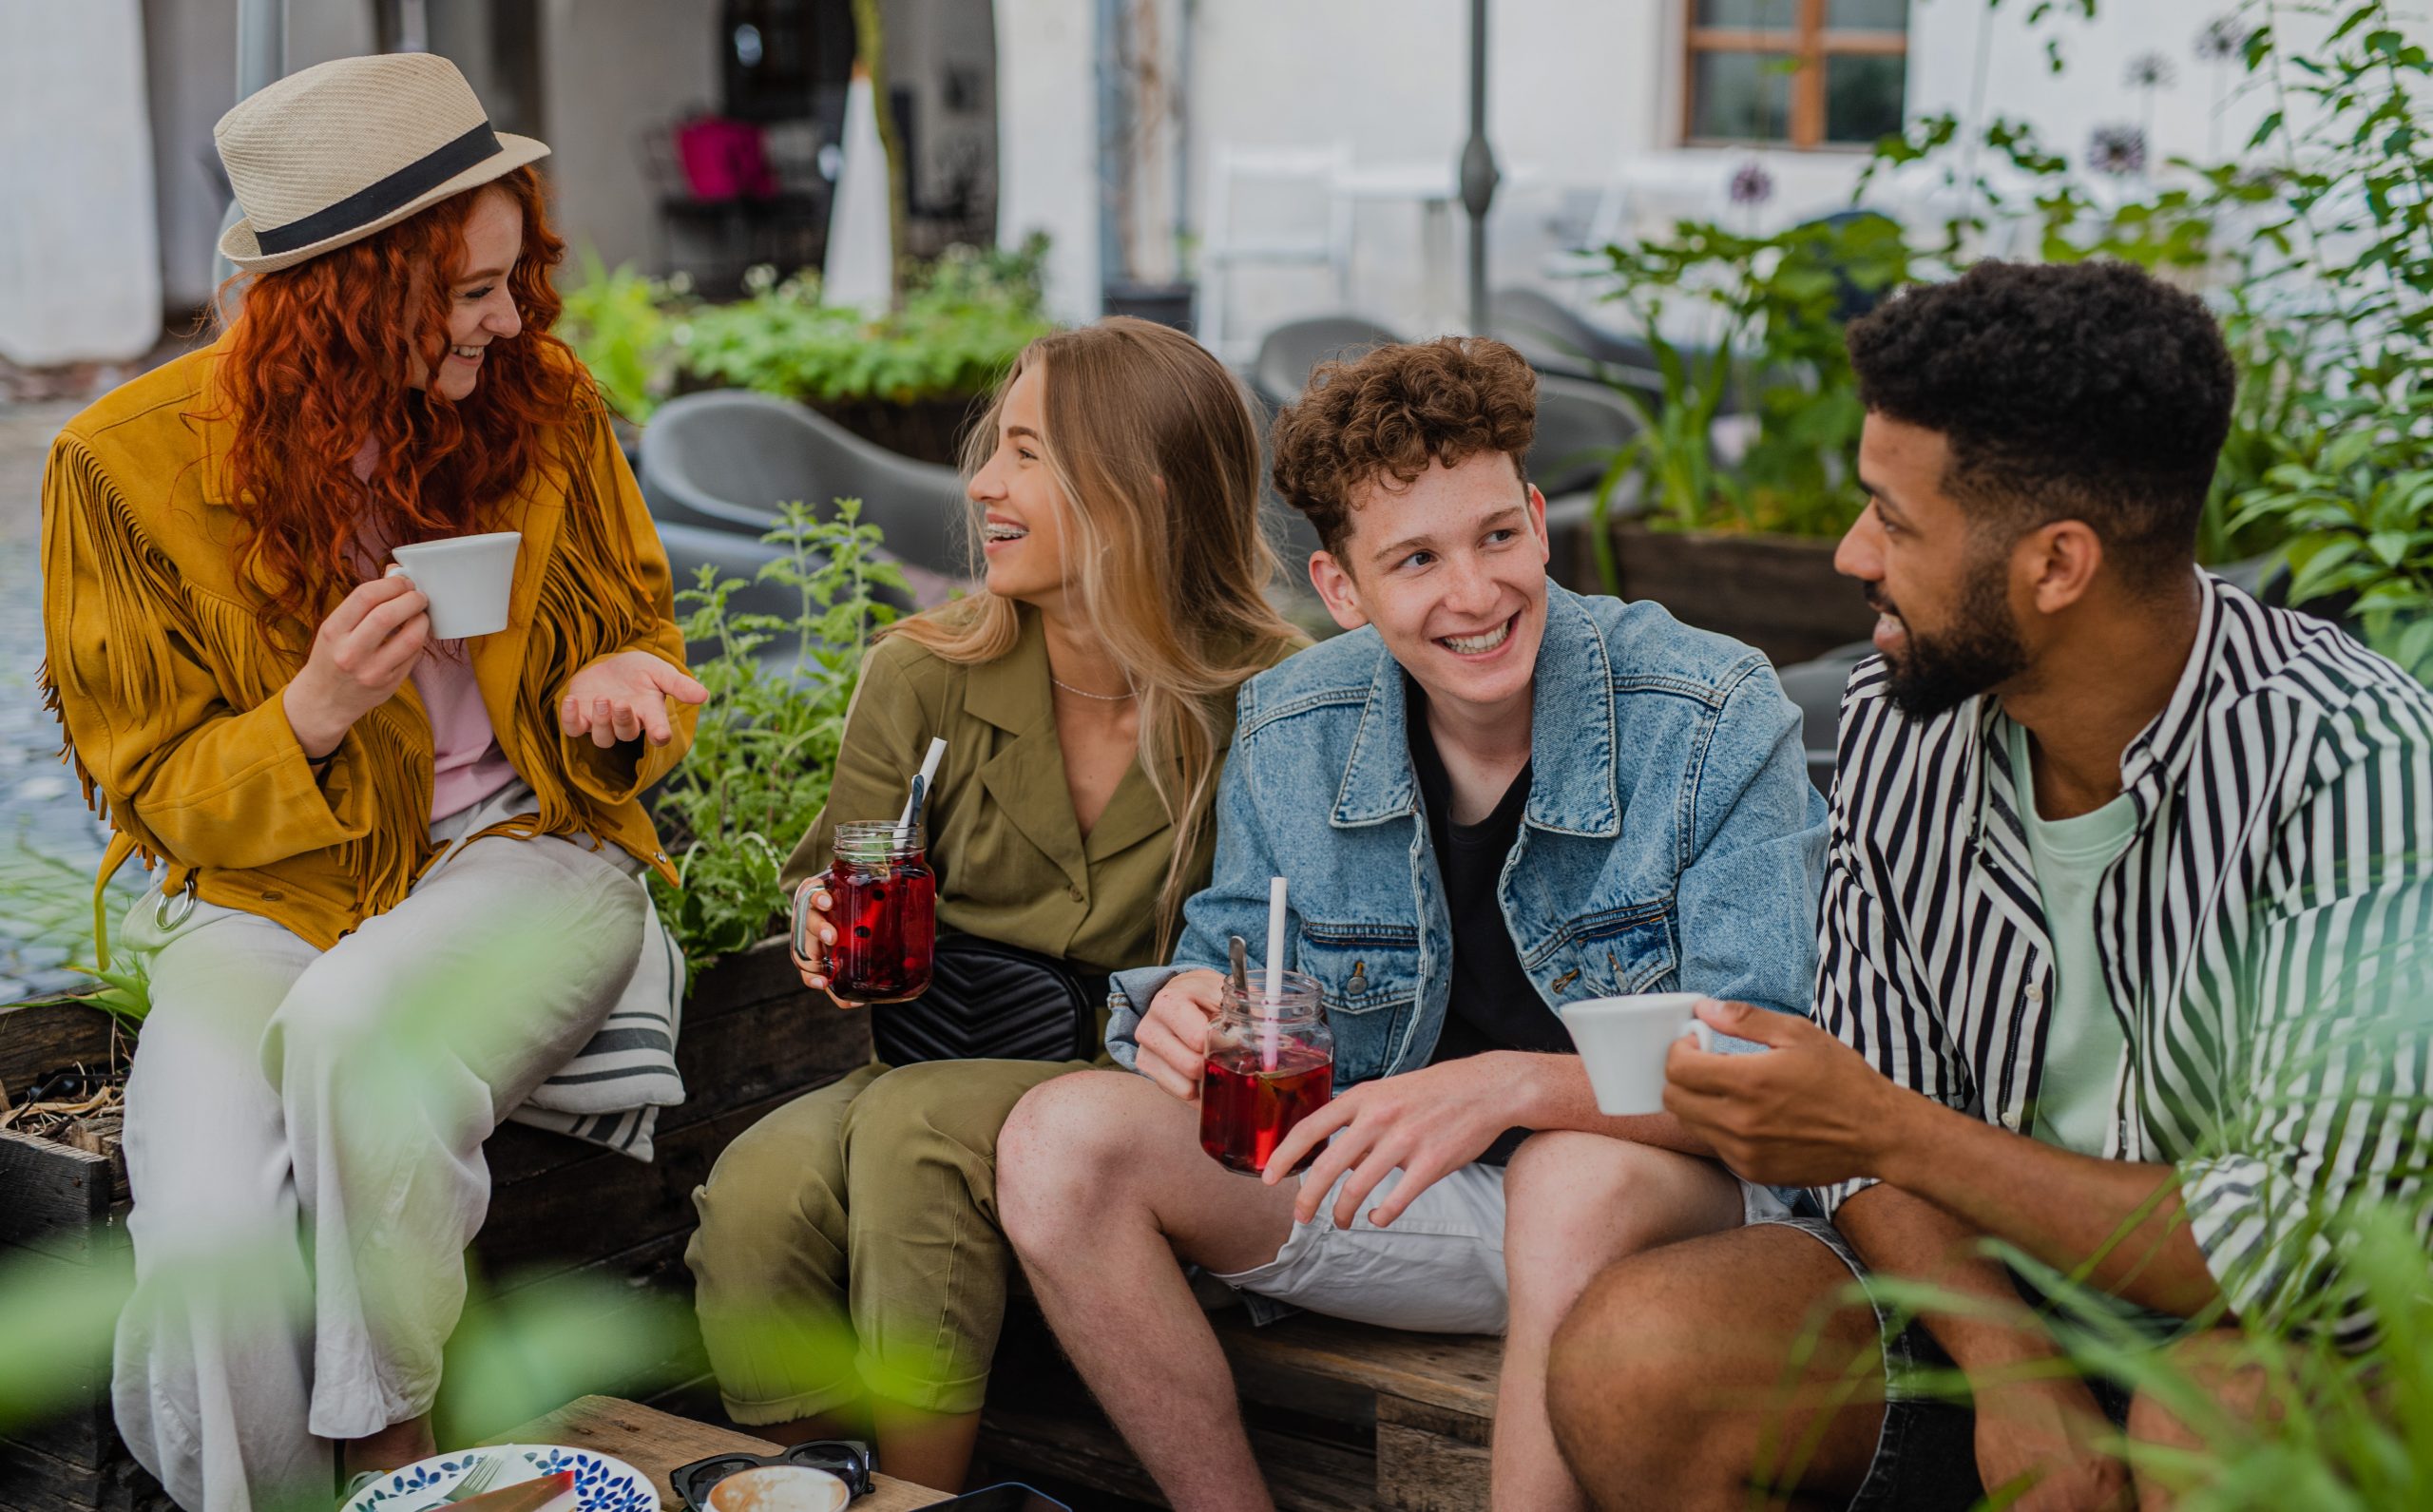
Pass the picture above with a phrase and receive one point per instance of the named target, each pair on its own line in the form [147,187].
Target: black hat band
[380,198]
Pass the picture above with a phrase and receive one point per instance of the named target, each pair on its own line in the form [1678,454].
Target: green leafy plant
[47,898]
[2353,283]
[765,748]
[2357,506]
[1774,307]
[962,323]
[617,323]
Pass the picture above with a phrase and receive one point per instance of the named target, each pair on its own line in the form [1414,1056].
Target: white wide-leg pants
[304,1139]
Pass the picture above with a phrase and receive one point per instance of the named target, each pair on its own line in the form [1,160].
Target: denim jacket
[1671,842]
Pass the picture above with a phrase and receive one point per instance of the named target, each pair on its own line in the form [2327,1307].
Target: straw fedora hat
[352,147]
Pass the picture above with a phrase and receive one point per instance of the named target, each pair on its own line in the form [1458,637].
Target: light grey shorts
[1438,1269]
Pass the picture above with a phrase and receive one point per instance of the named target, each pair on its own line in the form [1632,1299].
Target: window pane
[1740,96]
[1775,14]
[1867,16]
[1863,97]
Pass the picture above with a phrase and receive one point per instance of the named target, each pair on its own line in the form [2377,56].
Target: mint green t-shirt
[2083,1040]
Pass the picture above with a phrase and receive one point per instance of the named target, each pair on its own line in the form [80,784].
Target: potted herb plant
[1742,467]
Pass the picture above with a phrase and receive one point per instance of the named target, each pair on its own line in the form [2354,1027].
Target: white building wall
[190,57]
[79,263]
[1047,167]
[613,71]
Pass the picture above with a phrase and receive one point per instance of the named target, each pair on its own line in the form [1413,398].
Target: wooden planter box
[1779,593]
[753,1039]
[62,1216]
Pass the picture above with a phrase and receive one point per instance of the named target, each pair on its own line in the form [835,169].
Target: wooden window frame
[1810,41]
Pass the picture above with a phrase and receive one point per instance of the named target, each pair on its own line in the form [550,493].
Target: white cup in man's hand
[1622,1043]
[467,578]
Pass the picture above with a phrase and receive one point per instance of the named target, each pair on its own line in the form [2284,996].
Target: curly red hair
[319,362]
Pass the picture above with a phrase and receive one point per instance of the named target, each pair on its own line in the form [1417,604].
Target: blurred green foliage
[617,323]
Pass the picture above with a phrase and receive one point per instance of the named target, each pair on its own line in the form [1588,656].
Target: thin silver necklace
[1085,693]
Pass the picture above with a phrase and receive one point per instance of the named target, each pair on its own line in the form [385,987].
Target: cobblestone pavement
[49,841]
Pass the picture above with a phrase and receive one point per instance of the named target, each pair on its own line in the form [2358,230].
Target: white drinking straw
[921,783]
[1269,1046]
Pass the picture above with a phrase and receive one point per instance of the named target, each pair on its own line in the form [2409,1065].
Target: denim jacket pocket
[1368,975]
[1618,952]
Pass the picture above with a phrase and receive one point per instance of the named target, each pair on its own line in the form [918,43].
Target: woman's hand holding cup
[360,656]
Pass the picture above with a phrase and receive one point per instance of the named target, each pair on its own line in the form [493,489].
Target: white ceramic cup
[781,1488]
[1622,1043]
[466,578]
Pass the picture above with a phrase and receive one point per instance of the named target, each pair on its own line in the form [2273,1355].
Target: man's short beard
[1936,675]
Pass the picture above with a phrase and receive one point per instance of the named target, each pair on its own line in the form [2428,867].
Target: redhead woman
[395,880]
[848,1258]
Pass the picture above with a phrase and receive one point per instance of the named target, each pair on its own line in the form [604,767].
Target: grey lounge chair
[1560,340]
[1579,425]
[725,460]
[1290,351]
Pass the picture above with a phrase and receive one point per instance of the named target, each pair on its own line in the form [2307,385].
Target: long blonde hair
[1155,451]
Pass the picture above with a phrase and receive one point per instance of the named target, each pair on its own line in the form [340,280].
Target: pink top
[467,765]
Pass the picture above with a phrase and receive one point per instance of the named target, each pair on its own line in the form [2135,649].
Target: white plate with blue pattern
[601,1483]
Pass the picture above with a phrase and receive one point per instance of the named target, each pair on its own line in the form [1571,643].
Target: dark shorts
[1925,1457]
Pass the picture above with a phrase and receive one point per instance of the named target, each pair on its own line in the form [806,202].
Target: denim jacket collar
[1571,712]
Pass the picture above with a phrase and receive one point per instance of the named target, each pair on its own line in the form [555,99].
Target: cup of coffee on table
[781,1488]
[1623,1043]
[466,578]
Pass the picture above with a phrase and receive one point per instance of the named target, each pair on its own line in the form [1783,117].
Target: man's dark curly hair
[1388,413]
[2087,390]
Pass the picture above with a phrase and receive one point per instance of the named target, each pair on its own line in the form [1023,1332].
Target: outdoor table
[655,1442]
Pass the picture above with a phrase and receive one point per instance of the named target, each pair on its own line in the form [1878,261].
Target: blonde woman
[848,1256]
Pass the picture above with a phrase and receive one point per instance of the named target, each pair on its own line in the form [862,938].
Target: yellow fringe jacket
[159,673]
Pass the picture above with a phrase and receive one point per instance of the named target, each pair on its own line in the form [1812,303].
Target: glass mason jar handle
[807,954]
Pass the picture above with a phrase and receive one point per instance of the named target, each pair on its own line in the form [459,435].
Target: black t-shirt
[1491,1004]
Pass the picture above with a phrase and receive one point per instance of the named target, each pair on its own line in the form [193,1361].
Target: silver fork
[476,1479]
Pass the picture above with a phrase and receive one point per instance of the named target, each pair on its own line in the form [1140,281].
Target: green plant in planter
[963,322]
[617,323]
[765,747]
[2358,507]
[2344,482]
[1777,304]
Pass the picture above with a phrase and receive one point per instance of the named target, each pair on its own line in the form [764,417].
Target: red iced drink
[1246,1109]
[883,904]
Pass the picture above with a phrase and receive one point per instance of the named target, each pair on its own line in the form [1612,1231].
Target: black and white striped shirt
[2262,936]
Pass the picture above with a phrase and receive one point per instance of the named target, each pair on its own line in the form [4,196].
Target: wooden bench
[1341,1415]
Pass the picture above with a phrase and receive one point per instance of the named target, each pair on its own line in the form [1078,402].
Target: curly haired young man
[1492,796]
[2126,902]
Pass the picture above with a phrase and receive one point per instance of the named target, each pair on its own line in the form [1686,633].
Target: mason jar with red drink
[1270,1064]
[883,904]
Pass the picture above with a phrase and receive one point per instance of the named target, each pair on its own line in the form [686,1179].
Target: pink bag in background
[725,160]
